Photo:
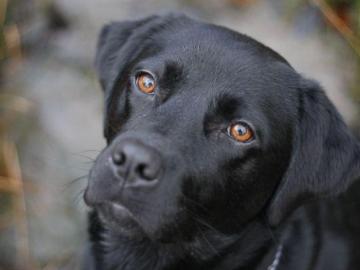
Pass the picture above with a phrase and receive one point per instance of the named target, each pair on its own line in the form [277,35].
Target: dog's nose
[137,163]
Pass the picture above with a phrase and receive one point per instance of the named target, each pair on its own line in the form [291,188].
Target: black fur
[219,203]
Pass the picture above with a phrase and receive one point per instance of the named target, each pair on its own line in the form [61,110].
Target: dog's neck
[252,249]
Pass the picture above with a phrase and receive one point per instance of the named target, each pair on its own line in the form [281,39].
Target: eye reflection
[145,82]
[241,132]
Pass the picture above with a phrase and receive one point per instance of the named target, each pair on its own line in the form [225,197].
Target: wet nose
[136,163]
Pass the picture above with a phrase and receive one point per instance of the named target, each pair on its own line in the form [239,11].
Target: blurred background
[51,103]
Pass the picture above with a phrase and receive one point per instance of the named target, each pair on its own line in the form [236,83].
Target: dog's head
[208,126]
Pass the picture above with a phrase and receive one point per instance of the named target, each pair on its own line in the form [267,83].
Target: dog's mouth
[118,218]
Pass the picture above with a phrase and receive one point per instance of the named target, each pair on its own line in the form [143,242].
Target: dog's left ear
[119,42]
[326,157]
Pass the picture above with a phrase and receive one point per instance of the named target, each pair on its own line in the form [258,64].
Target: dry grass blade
[8,185]
[12,46]
[3,8]
[11,182]
[12,176]
[338,24]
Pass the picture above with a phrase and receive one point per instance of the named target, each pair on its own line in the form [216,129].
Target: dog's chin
[119,220]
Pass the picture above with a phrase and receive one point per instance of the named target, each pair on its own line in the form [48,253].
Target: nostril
[146,172]
[119,158]
[136,163]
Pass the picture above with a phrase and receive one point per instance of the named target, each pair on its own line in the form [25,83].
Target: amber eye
[145,82]
[241,132]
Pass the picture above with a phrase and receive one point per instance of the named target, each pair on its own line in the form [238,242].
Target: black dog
[214,141]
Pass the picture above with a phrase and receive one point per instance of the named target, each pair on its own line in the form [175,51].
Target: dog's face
[207,127]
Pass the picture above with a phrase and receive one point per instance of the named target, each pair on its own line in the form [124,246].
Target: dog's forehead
[205,67]
[222,67]
[205,52]
[212,43]
[213,61]
[216,69]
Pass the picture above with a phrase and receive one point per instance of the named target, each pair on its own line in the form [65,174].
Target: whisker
[77,179]
[207,225]
[208,242]
[84,156]
[78,197]
[195,203]
[69,184]
[268,227]
[89,151]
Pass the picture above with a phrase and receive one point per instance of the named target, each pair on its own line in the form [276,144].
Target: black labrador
[217,154]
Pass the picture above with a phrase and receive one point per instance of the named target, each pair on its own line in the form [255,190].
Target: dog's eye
[241,132]
[145,82]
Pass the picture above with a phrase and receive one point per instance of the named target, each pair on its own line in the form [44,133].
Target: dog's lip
[118,217]
[121,209]
[115,210]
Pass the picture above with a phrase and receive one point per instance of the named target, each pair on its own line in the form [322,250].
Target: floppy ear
[121,42]
[117,45]
[326,157]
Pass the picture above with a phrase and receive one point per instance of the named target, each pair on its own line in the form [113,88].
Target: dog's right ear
[121,42]
[115,47]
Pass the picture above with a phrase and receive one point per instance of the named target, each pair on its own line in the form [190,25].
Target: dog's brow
[225,104]
[171,77]
[172,72]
